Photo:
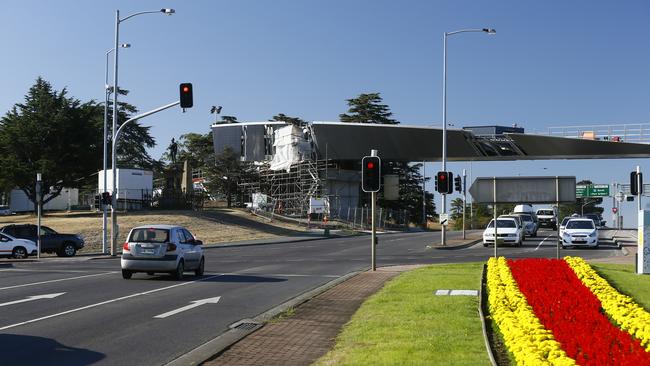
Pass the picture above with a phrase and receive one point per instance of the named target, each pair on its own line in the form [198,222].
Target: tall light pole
[444,112]
[107,94]
[115,107]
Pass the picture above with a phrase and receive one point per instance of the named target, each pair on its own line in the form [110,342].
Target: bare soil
[213,226]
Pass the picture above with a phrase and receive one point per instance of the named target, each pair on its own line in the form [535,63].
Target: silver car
[162,248]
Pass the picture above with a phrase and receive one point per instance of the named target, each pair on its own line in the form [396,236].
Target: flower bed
[524,335]
[573,314]
[620,308]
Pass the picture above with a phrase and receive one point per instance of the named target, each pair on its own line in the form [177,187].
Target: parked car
[529,224]
[64,245]
[547,218]
[162,248]
[5,211]
[508,232]
[16,248]
[580,232]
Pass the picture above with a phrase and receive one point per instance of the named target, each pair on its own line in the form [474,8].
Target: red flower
[568,308]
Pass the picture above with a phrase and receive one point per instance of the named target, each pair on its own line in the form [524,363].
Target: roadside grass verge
[405,323]
[626,281]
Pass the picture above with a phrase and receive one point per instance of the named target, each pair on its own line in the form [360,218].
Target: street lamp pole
[116,89]
[443,236]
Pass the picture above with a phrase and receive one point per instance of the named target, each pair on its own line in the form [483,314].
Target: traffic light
[187,100]
[443,182]
[106,198]
[370,173]
[458,184]
[636,183]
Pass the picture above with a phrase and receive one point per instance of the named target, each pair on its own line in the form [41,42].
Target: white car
[508,232]
[580,232]
[162,249]
[17,248]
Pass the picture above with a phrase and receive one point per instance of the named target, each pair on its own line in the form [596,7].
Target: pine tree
[366,108]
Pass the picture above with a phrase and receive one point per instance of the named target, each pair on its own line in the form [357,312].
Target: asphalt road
[92,316]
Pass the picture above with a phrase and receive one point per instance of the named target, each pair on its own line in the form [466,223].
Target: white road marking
[103,303]
[195,303]
[58,280]
[32,298]
[42,270]
[540,243]
[276,274]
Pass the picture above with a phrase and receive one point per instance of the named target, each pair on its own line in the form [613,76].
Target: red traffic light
[186,89]
[442,176]
[371,165]
[187,99]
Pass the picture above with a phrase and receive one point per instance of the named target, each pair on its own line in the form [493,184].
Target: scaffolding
[290,190]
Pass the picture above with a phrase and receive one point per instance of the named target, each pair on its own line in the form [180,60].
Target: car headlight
[593,234]
[488,234]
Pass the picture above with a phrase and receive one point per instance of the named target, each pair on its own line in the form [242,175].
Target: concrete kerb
[233,335]
[461,246]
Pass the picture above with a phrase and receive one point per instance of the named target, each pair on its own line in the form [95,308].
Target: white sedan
[580,232]
[16,248]
[508,232]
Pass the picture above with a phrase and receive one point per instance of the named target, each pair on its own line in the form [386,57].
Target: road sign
[598,190]
[523,189]
[614,209]
[581,190]
[444,219]
[619,196]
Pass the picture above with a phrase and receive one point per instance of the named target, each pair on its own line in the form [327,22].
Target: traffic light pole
[114,230]
[464,199]
[373,240]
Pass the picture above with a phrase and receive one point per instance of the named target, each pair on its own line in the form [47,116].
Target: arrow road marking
[195,303]
[32,298]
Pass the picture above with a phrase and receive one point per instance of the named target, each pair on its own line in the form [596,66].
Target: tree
[366,108]
[52,134]
[226,174]
[410,191]
[582,205]
[281,117]
[229,119]
[456,208]
[196,148]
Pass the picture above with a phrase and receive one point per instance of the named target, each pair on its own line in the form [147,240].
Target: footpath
[311,329]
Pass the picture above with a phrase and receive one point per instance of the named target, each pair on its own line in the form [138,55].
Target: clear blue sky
[551,63]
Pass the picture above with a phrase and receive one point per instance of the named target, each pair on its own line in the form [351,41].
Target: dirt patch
[211,226]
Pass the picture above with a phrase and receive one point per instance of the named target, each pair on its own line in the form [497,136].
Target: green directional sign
[592,190]
[598,190]
[581,190]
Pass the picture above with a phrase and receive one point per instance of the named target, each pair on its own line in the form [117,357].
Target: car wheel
[126,274]
[485,245]
[67,250]
[19,253]
[178,273]
[201,268]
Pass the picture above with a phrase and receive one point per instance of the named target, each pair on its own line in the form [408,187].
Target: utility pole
[464,199]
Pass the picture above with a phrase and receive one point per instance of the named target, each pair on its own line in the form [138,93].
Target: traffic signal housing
[458,184]
[187,98]
[443,182]
[636,183]
[106,198]
[370,173]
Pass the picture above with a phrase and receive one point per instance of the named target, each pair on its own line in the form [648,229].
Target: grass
[406,324]
[626,281]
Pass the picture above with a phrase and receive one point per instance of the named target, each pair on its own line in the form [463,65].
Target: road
[79,311]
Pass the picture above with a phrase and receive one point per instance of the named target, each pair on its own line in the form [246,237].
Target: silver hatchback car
[162,248]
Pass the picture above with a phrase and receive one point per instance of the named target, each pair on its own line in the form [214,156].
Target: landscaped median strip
[524,335]
[620,308]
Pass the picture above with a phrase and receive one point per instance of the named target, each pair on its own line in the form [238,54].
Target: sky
[551,63]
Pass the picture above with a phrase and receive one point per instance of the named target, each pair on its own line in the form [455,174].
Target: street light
[166,11]
[107,93]
[443,236]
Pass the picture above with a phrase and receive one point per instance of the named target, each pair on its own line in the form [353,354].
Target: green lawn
[406,324]
[623,278]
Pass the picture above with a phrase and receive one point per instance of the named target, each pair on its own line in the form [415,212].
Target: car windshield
[527,218]
[503,224]
[564,221]
[149,235]
[580,224]
[545,212]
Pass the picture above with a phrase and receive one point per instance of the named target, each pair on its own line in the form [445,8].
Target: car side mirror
[197,242]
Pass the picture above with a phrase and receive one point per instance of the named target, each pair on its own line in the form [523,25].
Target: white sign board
[444,219]
[643,253]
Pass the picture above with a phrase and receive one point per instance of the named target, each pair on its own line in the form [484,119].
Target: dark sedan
[64,245]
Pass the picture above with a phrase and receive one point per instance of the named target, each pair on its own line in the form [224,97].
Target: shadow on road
[208,278]
[29,350]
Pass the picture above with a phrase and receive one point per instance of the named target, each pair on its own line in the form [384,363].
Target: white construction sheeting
[291,147]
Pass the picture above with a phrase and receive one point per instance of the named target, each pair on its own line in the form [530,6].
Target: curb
[222,342]
[462,246]
[482,305]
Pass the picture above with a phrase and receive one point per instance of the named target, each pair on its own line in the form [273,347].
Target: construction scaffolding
[290,190]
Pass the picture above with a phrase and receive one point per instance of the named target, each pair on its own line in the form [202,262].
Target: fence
[634,132]
[142,199]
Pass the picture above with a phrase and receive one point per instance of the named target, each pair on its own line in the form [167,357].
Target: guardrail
[634,132]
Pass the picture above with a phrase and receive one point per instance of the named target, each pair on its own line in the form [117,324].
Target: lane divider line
[104,303]
[57,280]
[540,243]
